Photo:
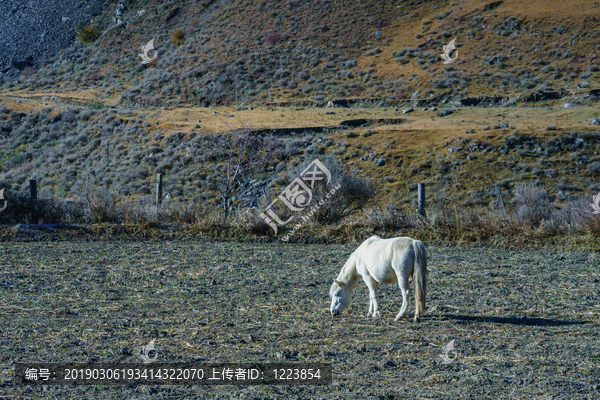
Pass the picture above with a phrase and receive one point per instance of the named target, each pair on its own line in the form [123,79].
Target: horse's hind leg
[403,283]
[372,284]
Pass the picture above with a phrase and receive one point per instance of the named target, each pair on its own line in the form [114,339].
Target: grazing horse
[378,261]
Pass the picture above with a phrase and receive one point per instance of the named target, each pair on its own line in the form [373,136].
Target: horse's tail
[420,278]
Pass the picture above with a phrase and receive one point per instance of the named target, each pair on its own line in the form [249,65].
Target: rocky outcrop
[37,29]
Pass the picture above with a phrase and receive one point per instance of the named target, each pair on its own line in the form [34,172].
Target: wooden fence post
[500,201]
[33,200]
[159,189]
[421,198]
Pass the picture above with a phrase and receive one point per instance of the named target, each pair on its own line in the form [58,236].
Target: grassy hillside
[260,51]
[95,116]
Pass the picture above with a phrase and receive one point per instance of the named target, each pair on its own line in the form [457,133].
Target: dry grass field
[524,322]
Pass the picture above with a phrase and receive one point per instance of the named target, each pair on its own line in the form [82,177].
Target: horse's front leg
[372,284]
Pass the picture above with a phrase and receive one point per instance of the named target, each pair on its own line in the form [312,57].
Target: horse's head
[341,297]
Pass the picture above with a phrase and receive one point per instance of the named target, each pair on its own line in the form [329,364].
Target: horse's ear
[340,284]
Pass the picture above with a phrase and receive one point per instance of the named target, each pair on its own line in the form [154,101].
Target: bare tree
[242,153]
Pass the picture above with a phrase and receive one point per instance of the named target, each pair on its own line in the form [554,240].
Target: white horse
[383,261]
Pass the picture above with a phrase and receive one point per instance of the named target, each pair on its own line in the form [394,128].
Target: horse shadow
[514,320]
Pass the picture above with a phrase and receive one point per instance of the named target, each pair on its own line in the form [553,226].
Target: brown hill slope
[247,51]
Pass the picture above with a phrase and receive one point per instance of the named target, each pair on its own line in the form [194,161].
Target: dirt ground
[524,323]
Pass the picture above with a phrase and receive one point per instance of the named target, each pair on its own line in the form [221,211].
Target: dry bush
[532,204]
[576,216]
[351,196]
[18,208]
[48,210]
[52,210]
[272,38]
[251,222]
[103,205]
[450,222]
[389,219]
[87,34]
[178,37]
[141,211]
[182,213]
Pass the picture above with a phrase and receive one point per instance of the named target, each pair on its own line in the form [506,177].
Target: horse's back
[382,257]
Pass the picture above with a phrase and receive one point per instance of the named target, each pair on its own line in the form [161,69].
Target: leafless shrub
[532,204]
[351,195]
[182,213]
[251,222]
[576,216]
[389,218]
[241,153]
[103,204]
[52,210]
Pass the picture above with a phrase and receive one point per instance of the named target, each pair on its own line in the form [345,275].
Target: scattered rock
[433,109]
[407,110]
[566,105]
[560,195]
[329,113]
[415,94]
[380,162]
[446,112]
[378,34]
[551,128]
[453,149]
[424,108]
[596,121]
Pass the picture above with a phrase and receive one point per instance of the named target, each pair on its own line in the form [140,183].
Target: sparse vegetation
[87,34]
[178,37]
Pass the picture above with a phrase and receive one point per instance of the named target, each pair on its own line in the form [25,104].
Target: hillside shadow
[515,321]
